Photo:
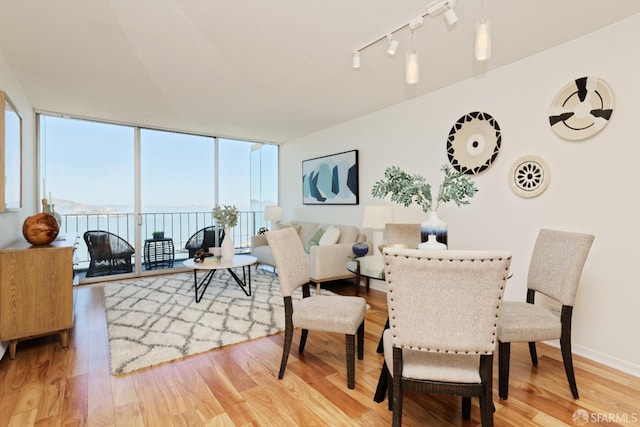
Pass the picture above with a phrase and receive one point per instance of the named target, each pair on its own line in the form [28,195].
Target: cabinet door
[36,291]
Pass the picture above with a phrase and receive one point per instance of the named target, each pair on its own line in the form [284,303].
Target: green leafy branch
[406,189]
[226,216]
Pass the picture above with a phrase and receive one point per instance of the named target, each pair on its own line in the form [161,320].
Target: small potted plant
[227,218]
[158,235]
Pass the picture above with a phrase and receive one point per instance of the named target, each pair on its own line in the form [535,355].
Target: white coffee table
[239,261]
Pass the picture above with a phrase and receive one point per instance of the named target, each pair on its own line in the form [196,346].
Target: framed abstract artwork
[331,180]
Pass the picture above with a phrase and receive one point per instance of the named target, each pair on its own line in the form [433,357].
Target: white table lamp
[273,214]
[375,218]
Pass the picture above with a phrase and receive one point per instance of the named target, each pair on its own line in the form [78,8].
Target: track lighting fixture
[393,45]
[434,9]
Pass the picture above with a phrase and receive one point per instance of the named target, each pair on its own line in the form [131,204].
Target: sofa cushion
[263,254]
[330,236]
[306,230]
[314,240]
[348,234]
[293,225]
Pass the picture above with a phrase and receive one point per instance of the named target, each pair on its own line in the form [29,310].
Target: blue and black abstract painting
[331,180]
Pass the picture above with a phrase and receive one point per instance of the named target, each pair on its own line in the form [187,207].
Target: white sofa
[326,262]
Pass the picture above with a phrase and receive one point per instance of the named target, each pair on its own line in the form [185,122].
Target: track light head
[450,16]
[356,60]
[393,45]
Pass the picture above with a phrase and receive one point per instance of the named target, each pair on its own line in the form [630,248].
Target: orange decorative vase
[40,229]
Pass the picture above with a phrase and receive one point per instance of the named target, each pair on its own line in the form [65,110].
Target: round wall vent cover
[529,176]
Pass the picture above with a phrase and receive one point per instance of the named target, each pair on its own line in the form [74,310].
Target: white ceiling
[261,70]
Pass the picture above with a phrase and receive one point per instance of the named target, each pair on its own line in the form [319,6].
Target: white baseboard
[589,353]
[4,345]
[605,359]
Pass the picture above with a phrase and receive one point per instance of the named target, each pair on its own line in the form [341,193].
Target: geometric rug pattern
[155,319]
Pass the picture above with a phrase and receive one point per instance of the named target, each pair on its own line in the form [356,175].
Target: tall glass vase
[227,249]
[436,227]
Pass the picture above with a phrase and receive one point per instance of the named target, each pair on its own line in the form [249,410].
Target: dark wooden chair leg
[397,388]
[565,347]
[533,353]
[504,352]
[380,348]
[288,335]
[351,361]
[288,338]
[361,341]
[383,384]
[303,339]
[389,389]
[466,408]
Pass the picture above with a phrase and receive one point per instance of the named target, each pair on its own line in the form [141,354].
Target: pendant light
[412,68]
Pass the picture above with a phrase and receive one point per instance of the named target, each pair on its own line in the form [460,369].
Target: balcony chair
[554,270]
[454,297]
[204,239]
[329,313]
[109,253]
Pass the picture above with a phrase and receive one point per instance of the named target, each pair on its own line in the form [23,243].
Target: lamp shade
[376,217]
[273,213]
[483,40]
[412,71]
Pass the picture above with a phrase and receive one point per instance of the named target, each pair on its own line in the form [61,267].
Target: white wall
[593,182]
[11,222]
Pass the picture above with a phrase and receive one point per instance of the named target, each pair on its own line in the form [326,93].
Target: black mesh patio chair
[204,239]
[110,254]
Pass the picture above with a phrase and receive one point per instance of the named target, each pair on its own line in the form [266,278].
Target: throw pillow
[330,236]
[314,240]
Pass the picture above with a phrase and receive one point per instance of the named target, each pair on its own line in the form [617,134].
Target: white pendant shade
[412,71]
[483,40]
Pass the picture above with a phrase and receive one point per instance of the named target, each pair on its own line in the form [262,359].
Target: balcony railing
[177,225]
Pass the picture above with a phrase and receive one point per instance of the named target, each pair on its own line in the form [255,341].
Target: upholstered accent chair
[555,268]
[330,313]
[108,253]
[407,234]
[454,297]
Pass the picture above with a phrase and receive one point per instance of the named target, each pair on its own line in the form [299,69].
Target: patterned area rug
[151,320]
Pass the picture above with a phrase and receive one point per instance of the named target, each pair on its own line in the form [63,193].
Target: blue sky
[93,163]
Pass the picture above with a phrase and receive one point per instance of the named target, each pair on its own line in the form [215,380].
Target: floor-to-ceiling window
[135,181]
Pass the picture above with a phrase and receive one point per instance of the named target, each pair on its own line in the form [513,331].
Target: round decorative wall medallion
[473,143]
[581,109]
[529,176]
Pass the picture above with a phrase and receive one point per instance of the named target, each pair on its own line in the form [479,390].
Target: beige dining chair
[555,268]
[443,307]
[329,313]
[406,234]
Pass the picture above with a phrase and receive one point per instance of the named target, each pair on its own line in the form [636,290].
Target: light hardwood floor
[47,385]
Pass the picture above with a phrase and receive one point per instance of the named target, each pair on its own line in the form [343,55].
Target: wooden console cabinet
[36,290]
